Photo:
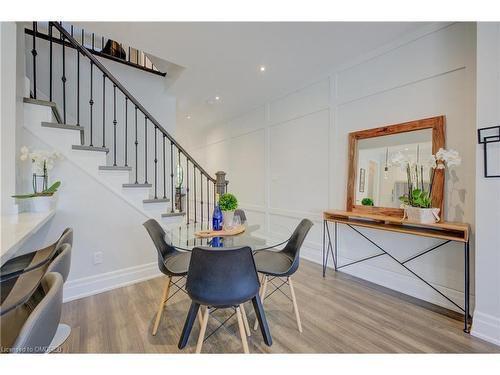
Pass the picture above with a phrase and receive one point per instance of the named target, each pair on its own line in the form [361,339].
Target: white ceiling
[223,58]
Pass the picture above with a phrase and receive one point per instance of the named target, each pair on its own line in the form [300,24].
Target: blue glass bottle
[217,216]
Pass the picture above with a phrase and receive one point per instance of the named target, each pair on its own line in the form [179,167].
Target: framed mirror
[374,183]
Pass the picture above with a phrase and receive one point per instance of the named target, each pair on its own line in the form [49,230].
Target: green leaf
[228,202]
[53,188]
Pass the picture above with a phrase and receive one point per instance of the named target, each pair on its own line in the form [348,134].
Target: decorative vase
[43,204]
[227,219]
[422,215]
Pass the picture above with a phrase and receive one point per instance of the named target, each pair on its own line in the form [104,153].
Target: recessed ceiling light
[262,68]
[217,98]
[188,117]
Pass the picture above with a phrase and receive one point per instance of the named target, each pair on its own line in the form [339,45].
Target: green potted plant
[228,203]
[367,202]
[417,203]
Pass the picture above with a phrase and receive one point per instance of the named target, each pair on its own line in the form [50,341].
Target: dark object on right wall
[485,136]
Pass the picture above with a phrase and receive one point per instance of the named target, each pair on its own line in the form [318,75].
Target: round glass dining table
[183,237]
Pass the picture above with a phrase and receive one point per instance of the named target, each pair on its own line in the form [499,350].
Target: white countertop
[16,229]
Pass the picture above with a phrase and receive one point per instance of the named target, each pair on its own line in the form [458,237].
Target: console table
[446,231]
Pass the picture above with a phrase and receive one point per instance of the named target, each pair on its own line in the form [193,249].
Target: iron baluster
[114,125]
[177,176]
[187,188]
[50,61]
[78,86]
[63,78]
[201,197]
[92,41]
[34,53]
[126,131]
[103,110]
[194,193]
[136,144]
[208,202]
[164,171]
[91,102]
[145,149]
[156,167]
[172,176]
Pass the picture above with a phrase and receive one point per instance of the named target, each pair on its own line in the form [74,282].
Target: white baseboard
[396,281]
[486,327]
[88,286]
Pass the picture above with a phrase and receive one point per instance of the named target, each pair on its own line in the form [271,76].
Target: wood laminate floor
[340,314]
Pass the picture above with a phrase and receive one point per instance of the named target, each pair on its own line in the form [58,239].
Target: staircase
[131,153]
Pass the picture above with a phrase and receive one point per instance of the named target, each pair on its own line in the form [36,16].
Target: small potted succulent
[417,203]
[228,203]
[43,197]
[367,202]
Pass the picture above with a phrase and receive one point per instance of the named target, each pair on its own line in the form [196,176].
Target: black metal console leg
[261,317]
[324,242]
[188,325]
[467,288]
[335,251]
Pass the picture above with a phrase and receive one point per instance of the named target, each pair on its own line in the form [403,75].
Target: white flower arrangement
[417,196]
[42,160]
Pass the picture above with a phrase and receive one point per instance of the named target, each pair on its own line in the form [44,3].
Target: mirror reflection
[379,182]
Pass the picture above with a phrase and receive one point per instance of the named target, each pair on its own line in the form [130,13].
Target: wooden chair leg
[203,329]
[245,320]
[163,301]
[200,317]
[295,307]
[242,330]
[263,292]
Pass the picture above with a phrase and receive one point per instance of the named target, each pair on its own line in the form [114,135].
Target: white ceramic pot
[43,204]
[422,215]
[227,219]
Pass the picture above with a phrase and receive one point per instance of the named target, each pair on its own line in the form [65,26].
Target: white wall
[288,159]
[8,115]
[487,314]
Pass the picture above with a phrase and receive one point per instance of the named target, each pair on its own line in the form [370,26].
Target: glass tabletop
[183,237]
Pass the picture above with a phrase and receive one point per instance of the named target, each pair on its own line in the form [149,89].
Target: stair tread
[46,103]
[62,126]
[137,185]
[114,168]
[171,214]
[158,200]
[90,148]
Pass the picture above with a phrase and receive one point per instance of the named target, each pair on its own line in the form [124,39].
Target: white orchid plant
[417,195]
[42,162]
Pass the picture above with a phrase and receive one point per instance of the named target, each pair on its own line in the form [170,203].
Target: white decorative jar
[227,219]
[422,215]
[43,204]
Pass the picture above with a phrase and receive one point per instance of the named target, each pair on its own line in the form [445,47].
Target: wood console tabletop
[443,230]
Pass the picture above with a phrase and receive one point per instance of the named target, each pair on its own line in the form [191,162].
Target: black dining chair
[223,278]
[171,262]
[283,264]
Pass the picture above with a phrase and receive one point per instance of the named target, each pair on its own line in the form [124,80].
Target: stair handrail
[125,92]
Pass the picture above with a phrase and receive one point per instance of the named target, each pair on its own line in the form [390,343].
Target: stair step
[158,200]
[90,148]
[46,103]
[114,168]
[173,214]
[137,185]
[61,126]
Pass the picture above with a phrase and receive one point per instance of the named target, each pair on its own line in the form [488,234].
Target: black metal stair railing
[151,125]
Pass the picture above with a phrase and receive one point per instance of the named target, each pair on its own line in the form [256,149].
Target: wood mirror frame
[437,124]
